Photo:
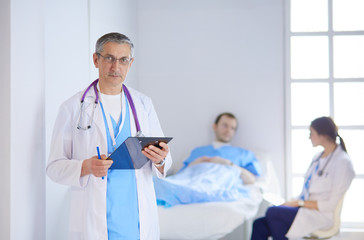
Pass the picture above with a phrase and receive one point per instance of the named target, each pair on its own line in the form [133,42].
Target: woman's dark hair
[326,126]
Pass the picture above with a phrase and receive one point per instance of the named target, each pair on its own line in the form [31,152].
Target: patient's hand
[218,160]
[200,160]
[248,177]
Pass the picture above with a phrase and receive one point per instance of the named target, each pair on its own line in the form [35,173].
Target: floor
[346,234]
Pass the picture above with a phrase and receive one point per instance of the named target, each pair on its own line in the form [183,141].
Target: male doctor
[108,204]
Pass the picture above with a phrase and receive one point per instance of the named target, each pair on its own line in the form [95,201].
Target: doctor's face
[113,63]
[225,129]
[316,139]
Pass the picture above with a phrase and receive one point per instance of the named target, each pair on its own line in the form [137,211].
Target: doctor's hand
[95,166]
[156,155]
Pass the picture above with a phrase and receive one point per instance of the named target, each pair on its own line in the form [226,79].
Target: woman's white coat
[70,146]
[327,190]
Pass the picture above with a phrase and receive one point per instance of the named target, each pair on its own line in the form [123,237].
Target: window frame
[289,175]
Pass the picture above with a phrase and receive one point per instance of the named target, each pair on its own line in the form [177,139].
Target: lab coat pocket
[77,205]
[84,142]
[321,184]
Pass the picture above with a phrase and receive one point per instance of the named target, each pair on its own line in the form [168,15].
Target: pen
[98,154]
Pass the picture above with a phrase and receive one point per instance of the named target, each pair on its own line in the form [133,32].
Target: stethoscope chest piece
[321,172]
[87,112]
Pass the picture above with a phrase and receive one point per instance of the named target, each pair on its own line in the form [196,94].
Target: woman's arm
[306,204]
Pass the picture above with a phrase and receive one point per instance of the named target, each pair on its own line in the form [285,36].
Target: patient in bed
[215,172]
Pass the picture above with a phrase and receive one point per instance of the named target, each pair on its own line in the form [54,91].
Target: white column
[66,72]
[5,119]
[27,141]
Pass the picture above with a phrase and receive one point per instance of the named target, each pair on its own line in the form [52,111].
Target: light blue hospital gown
[122,197]
[239,156]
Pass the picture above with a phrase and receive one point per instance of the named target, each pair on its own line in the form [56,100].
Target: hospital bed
[214,220]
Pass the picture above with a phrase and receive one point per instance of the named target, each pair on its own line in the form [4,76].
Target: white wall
[200,58]
[113,16]
[22,120]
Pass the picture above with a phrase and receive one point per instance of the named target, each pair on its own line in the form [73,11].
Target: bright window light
[354,142]
[348,15]
[309,16]
[349,103]
[353,208]
[349,56]
[309,57]
[302,151]
[308,101]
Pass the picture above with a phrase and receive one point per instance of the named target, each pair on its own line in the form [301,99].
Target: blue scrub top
[239,156]
[122,196]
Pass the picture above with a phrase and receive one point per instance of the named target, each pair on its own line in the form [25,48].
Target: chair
[335,229]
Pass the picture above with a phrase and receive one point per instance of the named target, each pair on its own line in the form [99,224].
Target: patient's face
[225,129]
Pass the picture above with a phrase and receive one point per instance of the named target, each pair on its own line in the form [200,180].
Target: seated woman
[214,172]
[326,180]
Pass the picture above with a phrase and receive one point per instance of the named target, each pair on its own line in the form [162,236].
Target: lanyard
[121,121]
[306,186]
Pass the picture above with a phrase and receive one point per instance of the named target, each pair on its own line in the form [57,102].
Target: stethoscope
[321,172]
[88,121]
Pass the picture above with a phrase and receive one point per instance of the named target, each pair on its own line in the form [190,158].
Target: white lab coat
[327,190]
[70,146]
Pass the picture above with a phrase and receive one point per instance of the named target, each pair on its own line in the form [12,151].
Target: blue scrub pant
[276,223]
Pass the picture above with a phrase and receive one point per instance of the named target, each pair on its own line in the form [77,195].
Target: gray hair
[116,38]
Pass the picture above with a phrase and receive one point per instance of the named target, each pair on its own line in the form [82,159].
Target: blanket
[204,182]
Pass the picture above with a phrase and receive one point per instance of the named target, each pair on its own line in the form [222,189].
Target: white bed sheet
[211,220]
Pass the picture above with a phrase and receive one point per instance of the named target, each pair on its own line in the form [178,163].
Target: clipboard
[129,154]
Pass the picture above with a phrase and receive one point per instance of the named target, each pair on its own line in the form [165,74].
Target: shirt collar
[217,144]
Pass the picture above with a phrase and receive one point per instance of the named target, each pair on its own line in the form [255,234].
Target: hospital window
[325,77]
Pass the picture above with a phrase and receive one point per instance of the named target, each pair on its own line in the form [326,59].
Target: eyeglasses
[111,59]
